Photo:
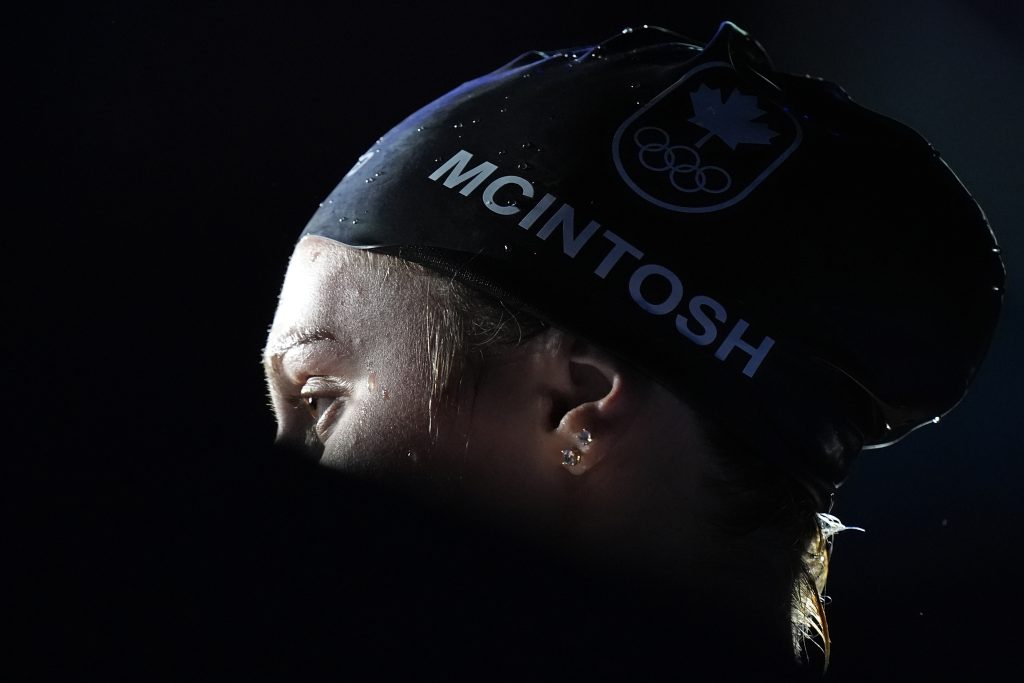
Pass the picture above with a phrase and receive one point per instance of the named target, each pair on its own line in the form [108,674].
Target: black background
[174,156]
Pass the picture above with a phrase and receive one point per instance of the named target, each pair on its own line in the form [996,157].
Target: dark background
[174,157]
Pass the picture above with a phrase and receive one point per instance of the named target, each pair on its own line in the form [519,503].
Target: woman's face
[347,362]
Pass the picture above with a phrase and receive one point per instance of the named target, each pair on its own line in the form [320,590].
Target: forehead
[325,278]
[343,292]
[323,257]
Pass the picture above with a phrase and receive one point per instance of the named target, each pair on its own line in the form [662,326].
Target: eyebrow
[297,336]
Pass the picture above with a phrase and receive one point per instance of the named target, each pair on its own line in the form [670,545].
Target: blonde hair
[810,624]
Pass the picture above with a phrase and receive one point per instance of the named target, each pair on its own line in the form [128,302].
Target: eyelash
[306,403]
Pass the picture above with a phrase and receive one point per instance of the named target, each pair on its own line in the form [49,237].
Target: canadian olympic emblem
[703,144]
[681,162]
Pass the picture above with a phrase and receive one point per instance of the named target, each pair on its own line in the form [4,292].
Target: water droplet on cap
[935,420]
[458,125]
[522,166]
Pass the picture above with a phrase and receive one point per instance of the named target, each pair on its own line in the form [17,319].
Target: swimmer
[645,300]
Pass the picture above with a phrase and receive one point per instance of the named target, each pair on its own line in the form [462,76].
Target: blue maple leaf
[732,119]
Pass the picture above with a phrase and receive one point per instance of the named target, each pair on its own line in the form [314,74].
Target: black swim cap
[809,271]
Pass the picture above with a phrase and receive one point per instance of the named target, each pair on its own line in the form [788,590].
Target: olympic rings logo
[682,163]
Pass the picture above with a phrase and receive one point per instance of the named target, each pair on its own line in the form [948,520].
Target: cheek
[394,399]
[509,434]
[385,425]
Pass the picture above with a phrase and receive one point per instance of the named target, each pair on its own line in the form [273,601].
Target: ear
[593,405]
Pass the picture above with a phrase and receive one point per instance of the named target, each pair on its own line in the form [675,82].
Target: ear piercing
[573,456]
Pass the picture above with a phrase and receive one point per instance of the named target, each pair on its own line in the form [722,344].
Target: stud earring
[573,456]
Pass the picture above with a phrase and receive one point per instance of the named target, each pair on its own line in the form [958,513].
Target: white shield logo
[704,143]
